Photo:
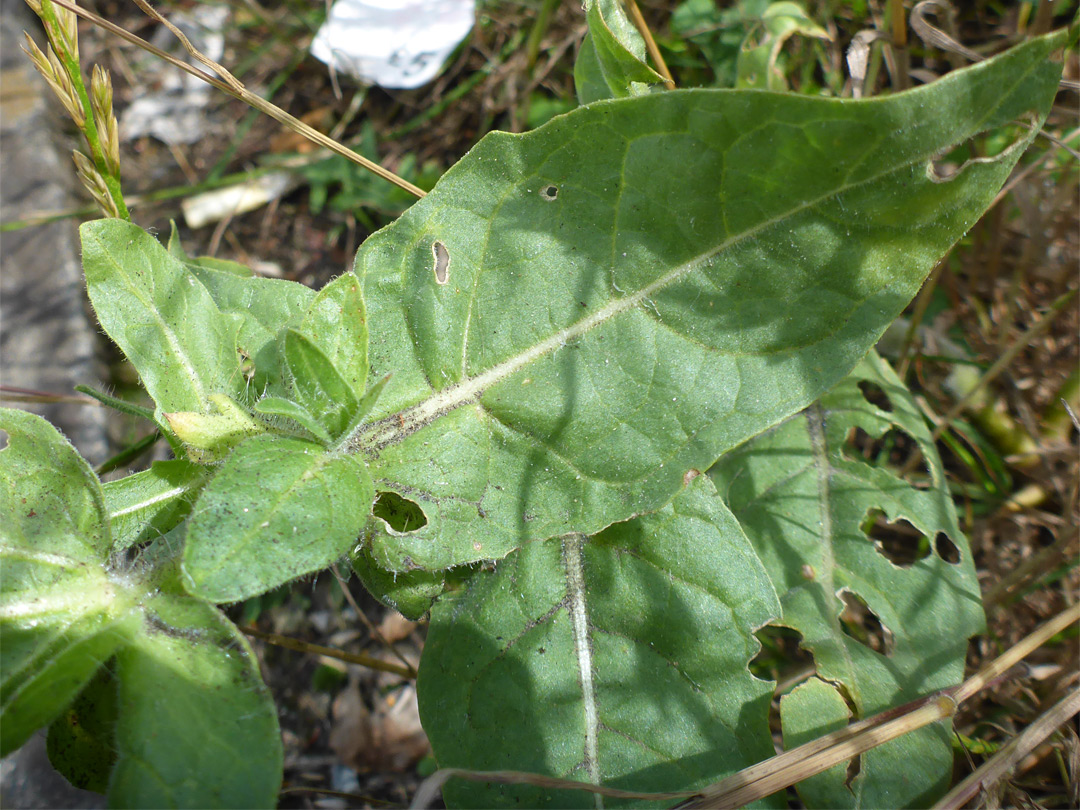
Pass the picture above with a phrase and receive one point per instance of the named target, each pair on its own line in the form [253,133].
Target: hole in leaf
[859,622]
[946,548]
[875,395]
[853,767]
[442,262]
[400,514]
[989,146]
[893,450]
[900,542]
[3,440]
[781,656]
[549,193]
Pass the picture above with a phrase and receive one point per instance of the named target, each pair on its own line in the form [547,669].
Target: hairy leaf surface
[643,284]
[168,326]
[194,726]
[191,701]
[264,305]
[60,614]
[807,499]
[620,659]
[189,670]
[337,323]
[148,504]
[317,385]
[278,508]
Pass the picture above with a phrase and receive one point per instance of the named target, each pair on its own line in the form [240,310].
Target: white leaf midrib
[574,567]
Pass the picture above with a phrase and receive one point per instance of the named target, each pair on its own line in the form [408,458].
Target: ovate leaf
[279,508]
[182,345]
[317,385]
[411,593]
[61,615]
[639,286]
[192,725]
[52,498]
[264,305]
[196,726]
[618,659]
[851,546]
[336,322]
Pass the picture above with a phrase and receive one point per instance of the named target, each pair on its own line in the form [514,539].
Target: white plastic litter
[392,43]
[214,206]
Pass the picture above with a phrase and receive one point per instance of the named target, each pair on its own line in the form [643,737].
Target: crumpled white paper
[392,43]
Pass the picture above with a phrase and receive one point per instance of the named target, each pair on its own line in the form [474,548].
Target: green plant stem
[89,127]
[122,405]
[540,27]
[129,453]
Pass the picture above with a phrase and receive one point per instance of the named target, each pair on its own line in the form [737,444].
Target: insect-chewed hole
[900,542]
[859,622]
[946,548]
[781,654]
[875,395]
[853,767]
[893,450]
[989,146]
[400,514]
[549,193]
[3,440]
[441,267]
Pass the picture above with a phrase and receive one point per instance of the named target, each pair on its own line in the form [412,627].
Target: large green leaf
[195,727]
[807,499]
[61,616]
[278,508]
[643,284]
[618,659]
[182,345]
